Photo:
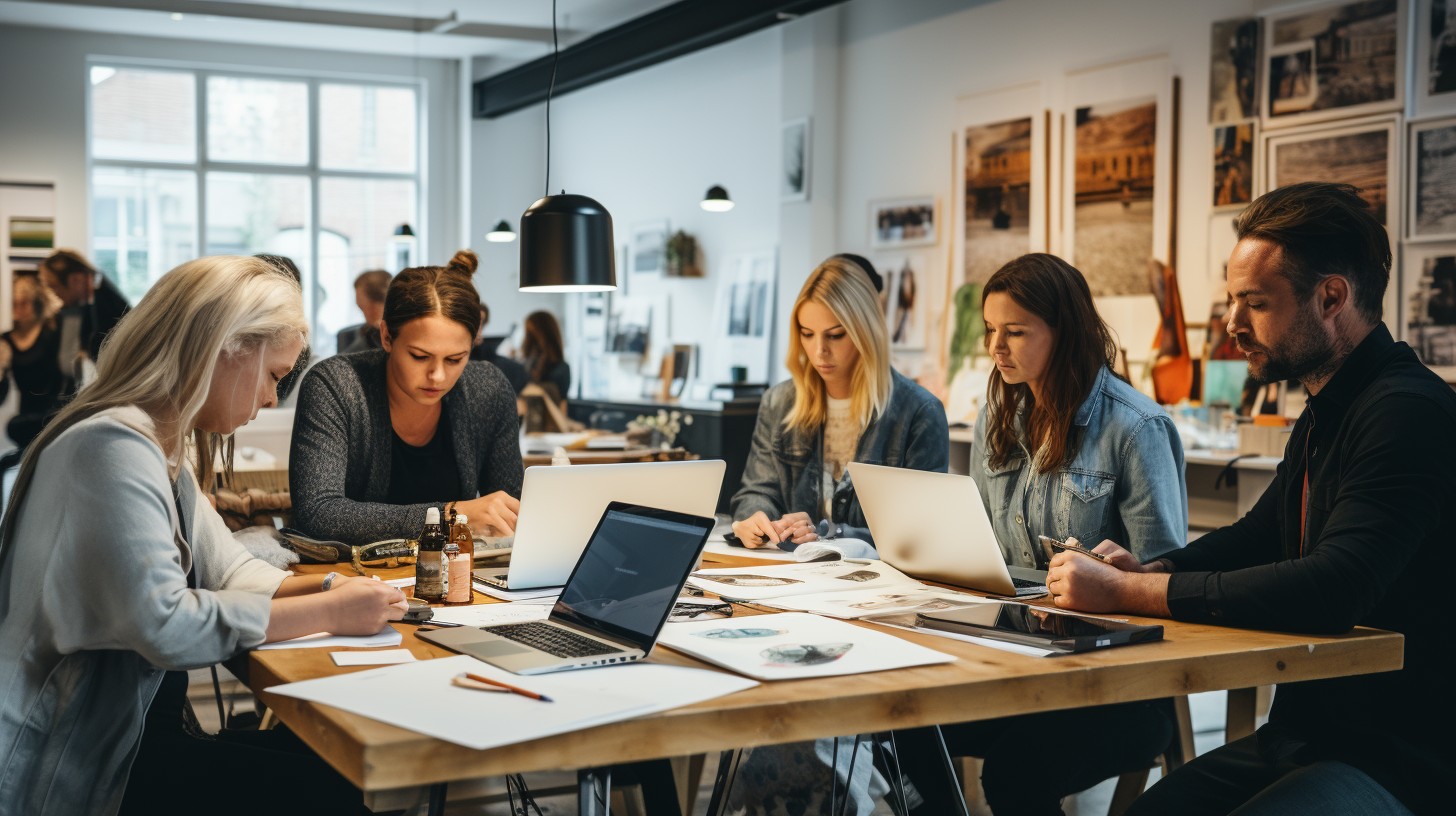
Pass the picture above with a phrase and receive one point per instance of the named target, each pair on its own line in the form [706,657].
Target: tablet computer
[1037,626]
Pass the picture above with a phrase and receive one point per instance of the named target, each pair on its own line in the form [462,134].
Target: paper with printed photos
[861,603]
[757,583]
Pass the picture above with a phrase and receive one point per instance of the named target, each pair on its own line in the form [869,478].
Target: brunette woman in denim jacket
[1065,448]
[842,404]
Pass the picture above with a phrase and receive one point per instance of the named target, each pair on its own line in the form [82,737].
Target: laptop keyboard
[552,640]
[1022,583]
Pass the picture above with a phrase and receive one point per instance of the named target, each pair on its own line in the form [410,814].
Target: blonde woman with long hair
[843,403]
[117,577]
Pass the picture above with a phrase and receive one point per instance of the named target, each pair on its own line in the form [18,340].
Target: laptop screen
[632,570]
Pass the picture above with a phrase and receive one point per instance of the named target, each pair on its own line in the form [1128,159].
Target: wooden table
[983,683]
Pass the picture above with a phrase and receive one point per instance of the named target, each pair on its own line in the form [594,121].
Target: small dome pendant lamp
[566,240]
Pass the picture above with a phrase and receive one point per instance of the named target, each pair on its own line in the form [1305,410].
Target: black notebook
[1040,627]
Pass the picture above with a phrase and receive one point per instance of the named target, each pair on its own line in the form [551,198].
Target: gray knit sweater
[338,466]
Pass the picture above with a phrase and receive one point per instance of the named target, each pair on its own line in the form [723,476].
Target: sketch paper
[388,636]
[755,583]
[861,603]
[492,614]
[583,698]
[795,645]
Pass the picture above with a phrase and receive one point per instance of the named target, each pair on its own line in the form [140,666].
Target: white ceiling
[505,31]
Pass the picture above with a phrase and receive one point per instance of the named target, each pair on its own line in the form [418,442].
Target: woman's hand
[756,531]
[361,607]
[797,528]
[498,511]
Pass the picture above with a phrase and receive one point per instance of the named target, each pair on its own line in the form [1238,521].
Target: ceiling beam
[661,35]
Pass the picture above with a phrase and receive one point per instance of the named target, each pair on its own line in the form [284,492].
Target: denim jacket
[785,468]
[1125,481]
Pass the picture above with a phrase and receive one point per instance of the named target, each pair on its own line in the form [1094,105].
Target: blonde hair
[45,303]
[161,356]
[844,289]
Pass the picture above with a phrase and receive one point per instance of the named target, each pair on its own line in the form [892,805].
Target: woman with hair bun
[380,436]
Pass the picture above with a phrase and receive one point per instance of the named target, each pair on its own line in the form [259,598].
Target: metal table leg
[594,792]
[723,782]
[437,799]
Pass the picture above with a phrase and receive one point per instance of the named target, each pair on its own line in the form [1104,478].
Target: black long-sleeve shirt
[1379,441]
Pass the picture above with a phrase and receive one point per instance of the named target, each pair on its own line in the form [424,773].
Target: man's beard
[1308,354]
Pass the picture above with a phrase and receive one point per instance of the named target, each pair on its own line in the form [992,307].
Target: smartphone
[1051,546]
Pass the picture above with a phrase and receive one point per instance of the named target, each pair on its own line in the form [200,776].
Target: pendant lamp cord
[555,58]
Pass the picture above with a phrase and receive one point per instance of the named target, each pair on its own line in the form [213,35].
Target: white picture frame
[1431,182]
[648,255]
[1307,64]
[1435,58]
[896,223]
[795,163]
[1428,273]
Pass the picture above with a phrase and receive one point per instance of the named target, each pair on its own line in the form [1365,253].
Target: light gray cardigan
[338,465]
[96,606]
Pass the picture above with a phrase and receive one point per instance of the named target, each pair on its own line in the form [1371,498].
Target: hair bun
[465,262]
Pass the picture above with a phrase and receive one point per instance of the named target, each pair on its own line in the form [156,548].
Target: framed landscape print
[1431,205]
[1233,71]
[1334,61]
[1234,165]
[1428,304]
[1435,79]
[1365,153]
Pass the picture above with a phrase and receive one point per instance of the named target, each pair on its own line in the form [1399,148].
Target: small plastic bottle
[459,572]
[431,577]
[461,535]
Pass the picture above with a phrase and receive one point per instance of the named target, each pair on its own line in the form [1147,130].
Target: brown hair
[421,291]
[1082,345]
[374,283]
[542,346]
[63,263]
[1324,229]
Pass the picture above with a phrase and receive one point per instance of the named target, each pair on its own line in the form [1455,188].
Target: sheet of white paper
[492,614]
[383,657]
[795,645]
[401,583]
[549,593]
[859,603]
[388,636]
[755,583]
[479,720]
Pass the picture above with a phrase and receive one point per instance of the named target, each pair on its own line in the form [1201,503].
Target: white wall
[43,131]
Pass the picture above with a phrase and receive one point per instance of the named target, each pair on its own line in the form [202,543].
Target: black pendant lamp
[566,240]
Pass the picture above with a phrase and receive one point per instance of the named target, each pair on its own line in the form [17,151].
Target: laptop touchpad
[496,648]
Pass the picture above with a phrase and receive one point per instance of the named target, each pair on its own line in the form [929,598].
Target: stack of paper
[480,720]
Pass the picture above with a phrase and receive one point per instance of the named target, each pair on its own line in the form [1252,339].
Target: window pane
[367,127]
[143,222]
[257,120]
[143,114]
[357,218]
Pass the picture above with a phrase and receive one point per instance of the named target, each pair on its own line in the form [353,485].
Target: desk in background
[982,683]
[1217,498]
[720,430]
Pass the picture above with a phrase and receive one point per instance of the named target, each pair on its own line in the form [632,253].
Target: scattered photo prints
[1233,165]
[1233,71]
[1334,61]
[1429,305]
[902,222]
[1115,145]
[1432,207]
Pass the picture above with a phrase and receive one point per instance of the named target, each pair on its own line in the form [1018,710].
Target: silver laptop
[614,603]
[934,526]
[561,505]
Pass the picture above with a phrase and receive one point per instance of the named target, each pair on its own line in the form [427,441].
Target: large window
[200,162]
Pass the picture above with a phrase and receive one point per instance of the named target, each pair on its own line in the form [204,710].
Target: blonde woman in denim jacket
[1067,449]
[842,404]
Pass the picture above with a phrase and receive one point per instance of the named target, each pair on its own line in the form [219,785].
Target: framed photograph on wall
[1334,61]
[794,170]
[1428,304]
[649,249]
[1233,71]
[1431,206]
[1001,180]
[1435,80]
[903,222]
[1234,164]
[904,298]
[742,313]
[1364,152]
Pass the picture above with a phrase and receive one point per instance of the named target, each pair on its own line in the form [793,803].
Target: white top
[841,435]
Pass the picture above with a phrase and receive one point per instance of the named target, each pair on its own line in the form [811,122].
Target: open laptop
[614,603]
[934,526]
[561,505]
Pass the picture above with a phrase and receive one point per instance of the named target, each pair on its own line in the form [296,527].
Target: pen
[508,687]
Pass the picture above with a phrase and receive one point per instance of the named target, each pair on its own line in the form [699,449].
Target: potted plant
[682,256]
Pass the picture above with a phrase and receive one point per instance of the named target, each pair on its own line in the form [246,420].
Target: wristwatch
[328,582]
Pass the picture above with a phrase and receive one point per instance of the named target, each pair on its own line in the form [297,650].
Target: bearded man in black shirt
[1347,534]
